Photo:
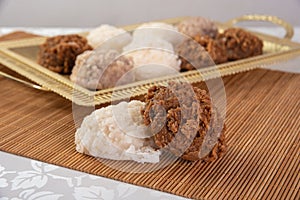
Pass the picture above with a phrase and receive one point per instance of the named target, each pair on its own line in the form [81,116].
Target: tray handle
[267,18]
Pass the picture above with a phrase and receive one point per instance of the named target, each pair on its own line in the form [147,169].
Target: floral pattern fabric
[26,179]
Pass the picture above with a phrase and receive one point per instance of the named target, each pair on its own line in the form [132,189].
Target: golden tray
[21,55]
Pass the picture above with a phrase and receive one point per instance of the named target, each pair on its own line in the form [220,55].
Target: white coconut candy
[157,30]
[153,63]
[116,38]
[152,58]
[144,43]
[117,132]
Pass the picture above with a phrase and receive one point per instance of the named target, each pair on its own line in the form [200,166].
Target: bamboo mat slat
[263,134]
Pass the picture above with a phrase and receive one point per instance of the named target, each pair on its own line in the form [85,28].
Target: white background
[89,13]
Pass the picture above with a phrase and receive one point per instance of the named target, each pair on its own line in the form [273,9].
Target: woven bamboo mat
[263,134]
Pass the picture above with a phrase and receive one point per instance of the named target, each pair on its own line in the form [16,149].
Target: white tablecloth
[23,178]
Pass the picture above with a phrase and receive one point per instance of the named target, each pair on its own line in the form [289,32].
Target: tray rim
[10,58]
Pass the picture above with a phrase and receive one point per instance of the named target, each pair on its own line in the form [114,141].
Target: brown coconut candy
[240,44]
[59,53]
[215,49]
[193,56]
[201,51]
[181,117]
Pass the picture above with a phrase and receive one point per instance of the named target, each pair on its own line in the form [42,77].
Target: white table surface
[23,178]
